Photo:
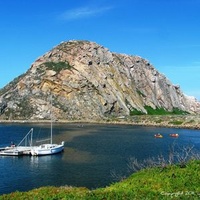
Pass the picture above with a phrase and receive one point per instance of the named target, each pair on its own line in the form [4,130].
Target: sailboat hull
[47,149]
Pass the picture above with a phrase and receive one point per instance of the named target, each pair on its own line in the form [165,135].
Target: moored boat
[24,147]
[11,152]
[47,149]
[158,135]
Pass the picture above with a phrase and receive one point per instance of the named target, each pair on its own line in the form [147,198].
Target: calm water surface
[91,153]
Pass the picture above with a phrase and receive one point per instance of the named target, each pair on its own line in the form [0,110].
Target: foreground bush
[170,182]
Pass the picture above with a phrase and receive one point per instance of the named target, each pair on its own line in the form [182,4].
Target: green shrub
[162,111]
[157,111]
[176,122]
[57,66]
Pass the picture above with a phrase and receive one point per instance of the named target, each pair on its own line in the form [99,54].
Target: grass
[158,183]
[170,182]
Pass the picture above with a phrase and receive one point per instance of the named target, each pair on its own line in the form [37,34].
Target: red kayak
[174,135]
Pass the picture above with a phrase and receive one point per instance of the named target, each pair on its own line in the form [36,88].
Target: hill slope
[87,81]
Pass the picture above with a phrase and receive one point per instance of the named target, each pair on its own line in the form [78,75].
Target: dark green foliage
[57,66]
[176,122]
[162,111]
[158,111]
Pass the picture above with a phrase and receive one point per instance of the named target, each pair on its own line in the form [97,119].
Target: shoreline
[180,121]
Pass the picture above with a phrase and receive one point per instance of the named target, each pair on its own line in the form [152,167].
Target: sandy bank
[177,121]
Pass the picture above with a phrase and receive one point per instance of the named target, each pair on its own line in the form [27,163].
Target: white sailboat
[48,148]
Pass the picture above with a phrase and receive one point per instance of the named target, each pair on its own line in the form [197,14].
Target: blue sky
[165,32]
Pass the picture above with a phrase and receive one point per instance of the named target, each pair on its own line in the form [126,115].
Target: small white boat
[11,152]
[20,149]
[48,148]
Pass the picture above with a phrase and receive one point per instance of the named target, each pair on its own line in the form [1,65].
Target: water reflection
[39,160]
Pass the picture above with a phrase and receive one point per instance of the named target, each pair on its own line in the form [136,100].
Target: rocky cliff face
[87,81]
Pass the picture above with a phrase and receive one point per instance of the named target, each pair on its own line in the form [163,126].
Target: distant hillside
[87,81]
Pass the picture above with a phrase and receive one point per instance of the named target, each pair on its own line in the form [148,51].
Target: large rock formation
[87,81]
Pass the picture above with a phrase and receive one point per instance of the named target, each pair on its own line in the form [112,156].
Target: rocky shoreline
[171,121]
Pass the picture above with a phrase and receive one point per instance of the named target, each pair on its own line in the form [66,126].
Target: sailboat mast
[51,120]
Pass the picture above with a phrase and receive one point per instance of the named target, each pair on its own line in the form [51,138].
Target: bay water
[92,153]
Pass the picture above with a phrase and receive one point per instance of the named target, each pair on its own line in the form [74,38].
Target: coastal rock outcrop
[87,81]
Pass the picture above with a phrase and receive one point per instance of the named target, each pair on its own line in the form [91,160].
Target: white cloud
[83,12]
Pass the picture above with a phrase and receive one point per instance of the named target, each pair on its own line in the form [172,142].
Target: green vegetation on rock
[176,122]
[57,66]
[158,111]
[162,111]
